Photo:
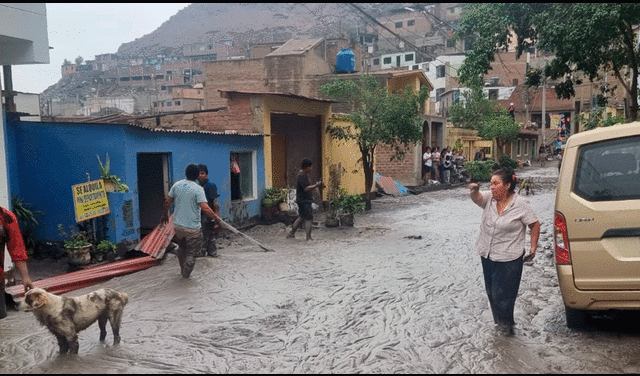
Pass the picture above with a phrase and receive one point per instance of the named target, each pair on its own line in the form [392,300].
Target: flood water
[368,299]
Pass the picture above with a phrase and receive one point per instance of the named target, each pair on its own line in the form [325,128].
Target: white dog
[65,316]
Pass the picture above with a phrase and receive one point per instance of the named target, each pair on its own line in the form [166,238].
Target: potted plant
[27,220]
[350,204]
[103,249]
[273,197]
[333,196]
[112,183]
[77,246]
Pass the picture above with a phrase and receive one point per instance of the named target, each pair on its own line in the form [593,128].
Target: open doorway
[153,188]
[294,138]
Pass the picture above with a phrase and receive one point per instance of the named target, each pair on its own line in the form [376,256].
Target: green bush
[480,170]
[353,203]
[507,162]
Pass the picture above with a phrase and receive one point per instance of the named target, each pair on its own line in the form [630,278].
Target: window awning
[483,143]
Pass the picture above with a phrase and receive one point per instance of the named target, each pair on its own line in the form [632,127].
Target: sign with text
[90,200]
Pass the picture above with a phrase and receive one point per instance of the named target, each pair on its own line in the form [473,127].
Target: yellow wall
[333,151]
[346,153]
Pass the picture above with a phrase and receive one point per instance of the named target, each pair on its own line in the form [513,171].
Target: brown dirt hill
[245,23]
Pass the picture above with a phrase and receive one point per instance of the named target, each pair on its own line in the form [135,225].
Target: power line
[430,57]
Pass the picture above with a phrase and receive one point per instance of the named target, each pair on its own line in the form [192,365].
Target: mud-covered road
[368,299]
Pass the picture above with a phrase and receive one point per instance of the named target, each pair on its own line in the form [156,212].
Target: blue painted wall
[48,158]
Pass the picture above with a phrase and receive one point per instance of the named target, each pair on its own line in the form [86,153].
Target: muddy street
[402,292]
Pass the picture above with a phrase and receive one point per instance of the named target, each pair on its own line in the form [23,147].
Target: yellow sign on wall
[90,200]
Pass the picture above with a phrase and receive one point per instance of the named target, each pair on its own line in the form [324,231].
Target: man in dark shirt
[208,225]
[304,199]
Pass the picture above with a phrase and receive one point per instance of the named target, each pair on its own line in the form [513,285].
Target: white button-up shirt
[502,236]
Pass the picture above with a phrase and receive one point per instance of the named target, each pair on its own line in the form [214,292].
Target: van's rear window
[609,170]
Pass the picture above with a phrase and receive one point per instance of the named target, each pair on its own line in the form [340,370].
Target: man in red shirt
[11,236]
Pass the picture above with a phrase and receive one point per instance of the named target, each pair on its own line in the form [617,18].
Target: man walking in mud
[190,200]
[208,225]
[304,199]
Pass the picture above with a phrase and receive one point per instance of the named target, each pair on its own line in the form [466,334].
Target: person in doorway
[427,163]
[512,110]
[478,155]
[189,201]
[501,243]
[11,236]
[236,192]
[208,225]
[304,199]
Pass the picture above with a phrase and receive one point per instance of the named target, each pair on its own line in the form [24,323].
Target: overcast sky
[87,30]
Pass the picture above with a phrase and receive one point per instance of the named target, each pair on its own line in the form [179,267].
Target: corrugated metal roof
[296,47]
[287,95]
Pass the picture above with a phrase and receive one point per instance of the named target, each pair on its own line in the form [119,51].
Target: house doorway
[153,188]
[294,138]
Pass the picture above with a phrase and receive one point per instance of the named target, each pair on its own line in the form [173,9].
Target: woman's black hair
[508,176]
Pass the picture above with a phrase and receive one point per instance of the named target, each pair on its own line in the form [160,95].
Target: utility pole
[544,109]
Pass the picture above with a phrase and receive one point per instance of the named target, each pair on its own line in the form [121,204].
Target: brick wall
[404,172]
[238,75]
[238,116]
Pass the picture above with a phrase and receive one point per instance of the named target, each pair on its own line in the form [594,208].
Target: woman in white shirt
[426,160]
[501,243]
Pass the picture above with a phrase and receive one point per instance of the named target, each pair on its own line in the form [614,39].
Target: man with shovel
[190,200]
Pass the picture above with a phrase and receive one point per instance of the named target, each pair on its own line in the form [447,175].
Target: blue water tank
[345,61]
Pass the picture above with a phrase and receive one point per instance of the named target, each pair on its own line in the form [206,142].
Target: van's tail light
[561,240]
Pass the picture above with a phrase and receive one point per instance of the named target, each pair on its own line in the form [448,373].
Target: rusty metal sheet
[156,242]
[87,277]
[388,185]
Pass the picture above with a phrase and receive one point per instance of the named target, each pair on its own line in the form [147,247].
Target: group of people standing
[437,165]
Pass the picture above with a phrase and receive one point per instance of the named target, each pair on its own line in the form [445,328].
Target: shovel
[233,229]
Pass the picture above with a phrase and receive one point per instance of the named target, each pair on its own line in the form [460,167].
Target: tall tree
[591,38]
[79,60]
[66,62]
[377,117]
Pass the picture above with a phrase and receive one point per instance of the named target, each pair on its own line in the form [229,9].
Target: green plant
[334,191]
[26,220]
[74,239]
[106,246]
[277,195]
[351,203]
[507,162]
[480,170]
[105,173]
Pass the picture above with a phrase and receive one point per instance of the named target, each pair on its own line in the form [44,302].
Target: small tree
[79,60]
[378,117]
[66,62]
[501,127]
[471,111]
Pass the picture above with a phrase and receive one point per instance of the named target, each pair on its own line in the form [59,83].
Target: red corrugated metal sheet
[388,185]
[87,277]
[156,242]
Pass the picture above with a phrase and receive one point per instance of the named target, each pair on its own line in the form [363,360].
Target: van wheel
[576,318]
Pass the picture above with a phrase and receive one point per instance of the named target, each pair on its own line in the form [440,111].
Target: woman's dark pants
[502,280]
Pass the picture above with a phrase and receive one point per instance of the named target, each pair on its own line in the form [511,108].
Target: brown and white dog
[66,316]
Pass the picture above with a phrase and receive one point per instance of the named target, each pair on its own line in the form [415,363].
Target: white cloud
[81,29]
